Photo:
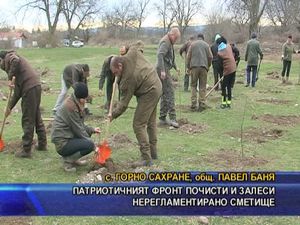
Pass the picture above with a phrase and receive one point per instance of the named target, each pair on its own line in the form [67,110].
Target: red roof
[16,35]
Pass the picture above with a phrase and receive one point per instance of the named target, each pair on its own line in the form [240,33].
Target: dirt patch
[98,172]
[258,135]
[270,91]
[274,101]
[16,220]
[239,82]
[190,128]
[12,146]
[287,83]
[291,120]
[231,159]
[119,141]
[273,75]
[183,121]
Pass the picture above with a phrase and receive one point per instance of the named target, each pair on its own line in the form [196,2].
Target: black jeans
[227,86]
[286,68]
[82,145]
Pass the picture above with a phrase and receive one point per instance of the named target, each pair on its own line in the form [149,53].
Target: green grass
[177,150]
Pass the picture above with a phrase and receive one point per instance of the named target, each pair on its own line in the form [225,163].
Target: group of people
[136,76]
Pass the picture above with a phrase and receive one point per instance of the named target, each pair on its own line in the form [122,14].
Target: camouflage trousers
[167,101]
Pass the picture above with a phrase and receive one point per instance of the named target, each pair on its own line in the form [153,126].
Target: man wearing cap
[165,62]
[69,133]
[27,87]
[253,50]
[199,60]
[72,74]
[137,76]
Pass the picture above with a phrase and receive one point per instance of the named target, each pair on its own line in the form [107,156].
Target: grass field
[271,144]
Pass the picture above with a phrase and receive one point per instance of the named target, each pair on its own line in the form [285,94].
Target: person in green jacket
[288,49]
[72,74]
[253,50]
[70,135]
[165,62]
[137,76]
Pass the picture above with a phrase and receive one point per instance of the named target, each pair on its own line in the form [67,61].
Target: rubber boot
[71,161]
[153,152]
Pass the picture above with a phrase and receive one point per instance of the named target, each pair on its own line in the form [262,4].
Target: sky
[33,19]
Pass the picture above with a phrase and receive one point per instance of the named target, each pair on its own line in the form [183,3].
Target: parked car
[77,44]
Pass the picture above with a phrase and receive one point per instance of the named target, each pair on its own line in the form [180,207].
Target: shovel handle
[110,107]
[7,105]
[213,88]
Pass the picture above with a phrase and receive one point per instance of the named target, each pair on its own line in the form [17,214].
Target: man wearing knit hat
[251,57]
[72,74]
[69,133]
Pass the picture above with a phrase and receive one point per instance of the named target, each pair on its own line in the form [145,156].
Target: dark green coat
[252,51]
[165,55]
[73,74]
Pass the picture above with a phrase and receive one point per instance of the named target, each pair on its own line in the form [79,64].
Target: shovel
[103,150]
[213,88]
[2,144]
[258,70]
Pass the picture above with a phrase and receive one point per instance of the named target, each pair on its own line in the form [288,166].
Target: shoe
[23,154]
[40,147]
[141,163]
[174,124]
[154,156]
[153,152]
[247,85]
[69,167]
[163,122]
[223,106]
[80,162]
[193,108]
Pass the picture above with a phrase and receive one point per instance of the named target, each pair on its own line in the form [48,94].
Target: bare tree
[248,11]
[121,17]
[215,20]
[184,11]
[141,13]
[51,9]
[166,13]
[78,12]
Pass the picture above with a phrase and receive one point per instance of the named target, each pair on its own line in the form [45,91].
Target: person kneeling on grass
[70,135]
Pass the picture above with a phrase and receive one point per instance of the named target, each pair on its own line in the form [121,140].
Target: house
[13,39]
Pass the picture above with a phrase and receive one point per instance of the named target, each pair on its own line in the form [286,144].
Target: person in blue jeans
[253,53]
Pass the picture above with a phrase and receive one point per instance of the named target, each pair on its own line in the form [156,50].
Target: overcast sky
[33,19]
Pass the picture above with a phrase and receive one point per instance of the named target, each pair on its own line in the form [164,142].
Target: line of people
[136,77]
